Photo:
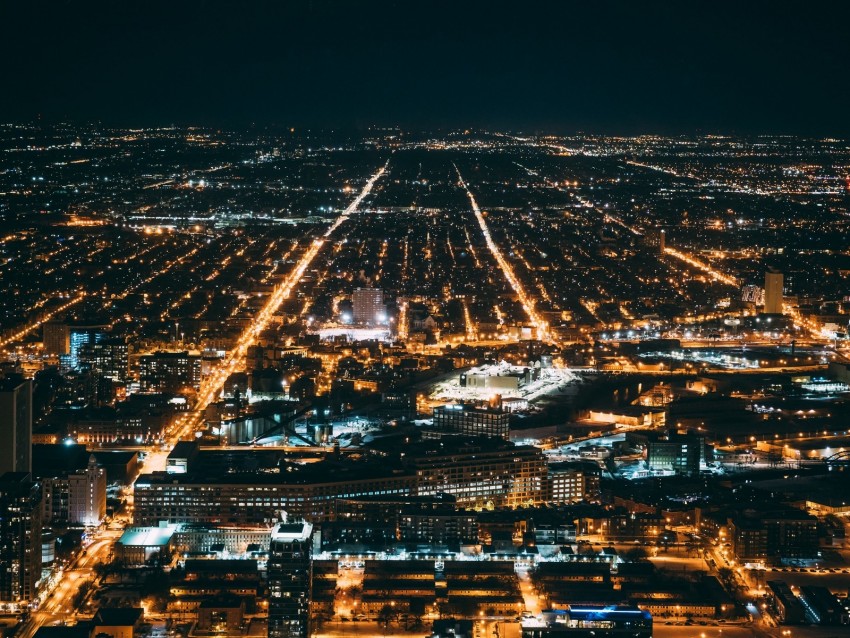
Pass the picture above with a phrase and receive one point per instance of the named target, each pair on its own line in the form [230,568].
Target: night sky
[613,67]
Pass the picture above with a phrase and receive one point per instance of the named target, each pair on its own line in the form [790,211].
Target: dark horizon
[615,68]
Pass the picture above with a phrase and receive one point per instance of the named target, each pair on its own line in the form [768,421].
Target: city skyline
[610,67]
[388,319]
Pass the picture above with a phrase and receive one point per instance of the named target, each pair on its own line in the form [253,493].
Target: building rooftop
[147,536]
[118,616]
[288,532]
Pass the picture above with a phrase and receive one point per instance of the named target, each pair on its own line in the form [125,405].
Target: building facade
[87,495]
[484,475]
[368,306]
[290,580]
[20,539]
[56,338]
[15,424]
[173,372]
[182,498]
[473,420]
[681,454]
[773,292]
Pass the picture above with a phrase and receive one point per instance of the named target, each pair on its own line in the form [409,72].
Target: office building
[256,499]
[368,305]
[823,606]
[683,454]
[758,536]
[81,336]
[437,527]
[474,420]
[569,482]
[212,490]
[15,424]
[290,580]
[174,372]
[87,495]
[479,471]
[589,620]
[753,294]
[785,605]
[773,291]
[56,338]
[107,358]
[20,539]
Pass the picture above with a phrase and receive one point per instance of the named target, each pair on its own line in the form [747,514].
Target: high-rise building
[15,424]
[20,539]
[289,578]
[475,420]
[572,481]
[753,294]
[169,372]
[81,336]
[107,358]
[773,290]
[56,337]
[87,495]
[368,305]
[683,454]
[480,471]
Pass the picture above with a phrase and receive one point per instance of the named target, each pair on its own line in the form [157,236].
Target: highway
[526,301]
[236,357]
[58,604]
[23,331]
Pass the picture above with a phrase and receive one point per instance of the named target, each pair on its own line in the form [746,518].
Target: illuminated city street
[472,319]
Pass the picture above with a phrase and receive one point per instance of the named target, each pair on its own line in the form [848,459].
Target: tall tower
[15,424]
[79,337]
[290,579]
[662,241]
[56,337]
[368,305]
[87,495]
[20,539]
[773,288]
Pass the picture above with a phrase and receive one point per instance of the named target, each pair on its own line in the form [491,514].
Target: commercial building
[786,606]
[138,545]
[250,489]
[474,420]
[15,424]
[438,527]
[20,539]
[630,416]
[56,337]
[587,620]
[368,306]
[569,482]
[107,358]
[256,499]
[758,536]
[173,372]
[683,454]
[80,337]
[773,292]
[117,622]
[290,580]
[480,471]
[87,495]
[823,606]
